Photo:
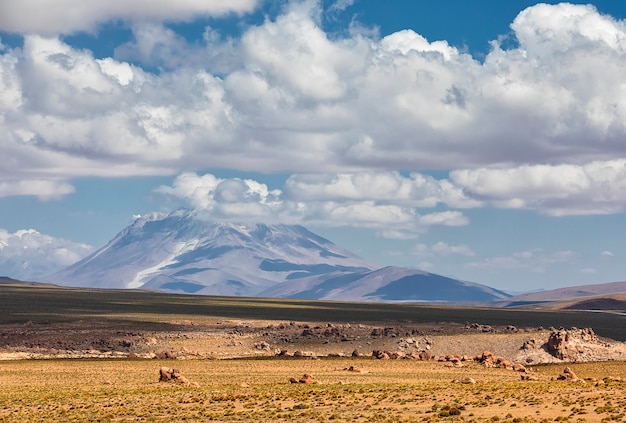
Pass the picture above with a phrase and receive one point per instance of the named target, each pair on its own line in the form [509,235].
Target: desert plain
[89,355]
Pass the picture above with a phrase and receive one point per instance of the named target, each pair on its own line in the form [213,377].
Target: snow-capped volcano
[179,252]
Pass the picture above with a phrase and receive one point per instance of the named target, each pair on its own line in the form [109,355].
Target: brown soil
[237,339]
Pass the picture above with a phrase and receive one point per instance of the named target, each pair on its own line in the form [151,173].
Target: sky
[483,140]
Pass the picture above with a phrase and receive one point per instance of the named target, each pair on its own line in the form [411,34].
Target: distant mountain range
[180,252]
[572,292]
[604,296]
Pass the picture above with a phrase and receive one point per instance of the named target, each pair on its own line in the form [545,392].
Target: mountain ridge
[570,293]
[181,252]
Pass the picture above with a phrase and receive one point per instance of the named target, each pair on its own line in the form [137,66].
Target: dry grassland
[259,390]
[220,345]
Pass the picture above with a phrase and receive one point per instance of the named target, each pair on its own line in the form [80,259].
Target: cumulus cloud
[28,254]
[538,126]
[595,188]
[69,16]
[246,199]
[415,190]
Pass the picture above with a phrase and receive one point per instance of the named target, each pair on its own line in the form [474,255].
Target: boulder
[568,374]
[425,356]
[167,374]
[519,368]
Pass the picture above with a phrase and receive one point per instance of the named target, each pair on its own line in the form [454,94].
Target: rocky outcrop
[571,346]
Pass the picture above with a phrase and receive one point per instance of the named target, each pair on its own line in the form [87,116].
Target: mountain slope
[386,284]
[569,293]
[179,252]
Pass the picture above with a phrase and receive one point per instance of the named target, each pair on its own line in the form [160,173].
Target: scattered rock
[519,368]
[569,375]
[531,344]
[467,380]
[304,354]
[380,355]
[167,374]
[355,369]
[305,379]
[425,356]
[262,346]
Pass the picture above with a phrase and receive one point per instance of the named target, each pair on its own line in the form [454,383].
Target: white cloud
[416,190]
[594,188]
[45,190]
[607,253]
[246,199]
[69,16]
[539,126]
[28,254]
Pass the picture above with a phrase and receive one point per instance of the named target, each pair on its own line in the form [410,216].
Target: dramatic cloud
[238,199]
[68,16]
[538,126]
[245,199]
[30,254]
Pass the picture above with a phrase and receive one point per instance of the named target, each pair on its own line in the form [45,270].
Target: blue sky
[484,140]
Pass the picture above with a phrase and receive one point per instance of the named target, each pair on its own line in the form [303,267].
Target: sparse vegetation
[245,390]
[358,389]
[51,304]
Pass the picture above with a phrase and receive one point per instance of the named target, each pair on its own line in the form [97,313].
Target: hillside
[568,294]
[183,253]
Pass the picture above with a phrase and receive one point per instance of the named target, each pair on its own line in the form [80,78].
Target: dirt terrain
[72,355]
[221,339]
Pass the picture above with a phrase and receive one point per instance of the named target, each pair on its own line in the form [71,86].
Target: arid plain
[87,355]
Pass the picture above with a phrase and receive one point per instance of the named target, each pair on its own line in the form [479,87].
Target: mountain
[180,252]
[569,293]
[386,284]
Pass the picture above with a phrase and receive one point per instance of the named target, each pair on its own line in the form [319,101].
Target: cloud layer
[356,119]
[288,97]
[69,16]
[314,200]
[30,254]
